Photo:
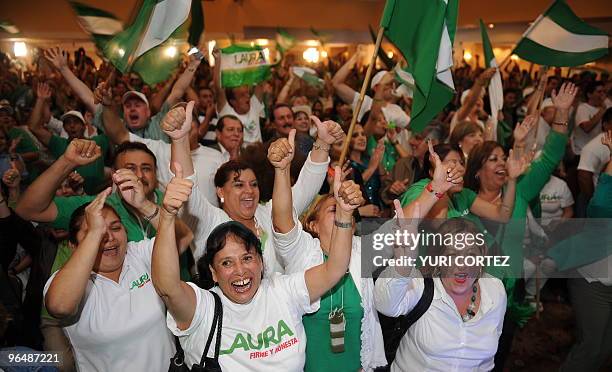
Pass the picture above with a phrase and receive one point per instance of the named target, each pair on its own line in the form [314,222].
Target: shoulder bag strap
[213,328]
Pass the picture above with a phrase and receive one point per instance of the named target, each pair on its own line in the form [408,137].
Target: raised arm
[216,72]
[179,298]
[280,154]
[36,203]
[323,277]
[35,124]
[68,287]
[113,126]
[470,101]
[182,83]
[58,58]
[343,91]
[283,96]
[538,94]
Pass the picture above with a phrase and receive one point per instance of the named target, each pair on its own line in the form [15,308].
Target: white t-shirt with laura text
[264,335]
[120,325]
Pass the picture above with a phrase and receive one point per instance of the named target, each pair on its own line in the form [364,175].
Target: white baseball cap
[75,114]
[133,93]
[377,78]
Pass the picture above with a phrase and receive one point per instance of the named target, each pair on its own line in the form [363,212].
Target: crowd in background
[70,130]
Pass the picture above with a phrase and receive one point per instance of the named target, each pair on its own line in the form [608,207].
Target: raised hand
[177,192]
[75,182]
[486,76]
[522,129]
[43,91]
[399,187]
[606,140]
[177,122]
[564,99]
[515,165]
[93,213]
[409,224]
[82,152]
[378,153]
[444,177]
[130,187]
[347,193]
[12,177]
[57,57]
[281,151]
[103,94]
[12,150]
[328,131]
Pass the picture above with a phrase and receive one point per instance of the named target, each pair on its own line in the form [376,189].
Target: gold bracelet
[320,147]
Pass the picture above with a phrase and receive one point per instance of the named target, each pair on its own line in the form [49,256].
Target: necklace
[470,313]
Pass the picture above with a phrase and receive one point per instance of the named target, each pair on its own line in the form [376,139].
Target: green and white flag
[308,75]
[423,31]
[243,65]
[284,40]
[9,27]
[99,24]
[153,44]
[496,89]
[559,38]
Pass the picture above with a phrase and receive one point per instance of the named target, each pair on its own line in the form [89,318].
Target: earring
[477,177]
[222,200]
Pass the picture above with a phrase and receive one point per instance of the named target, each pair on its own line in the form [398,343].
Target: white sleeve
[162,155]
[582,115]
[566,195]
[295,289]
[56,127]
[308,184]
[297,249]
[592,159]
[202,316]
[201,217]
[395,295]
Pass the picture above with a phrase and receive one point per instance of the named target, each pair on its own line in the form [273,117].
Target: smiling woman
[104,293]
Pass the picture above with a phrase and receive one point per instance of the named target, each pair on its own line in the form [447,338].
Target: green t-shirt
[459,204]
[319,356]
[137,229]
[151,131]
[389,157]
[61,257]
[92,173]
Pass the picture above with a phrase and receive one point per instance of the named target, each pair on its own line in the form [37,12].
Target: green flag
[153,43]
[284,40]
[99,24]
[8,26]
[197,23]
[424,32]
[243,65]
[308,75]
[496,88]
[559,38]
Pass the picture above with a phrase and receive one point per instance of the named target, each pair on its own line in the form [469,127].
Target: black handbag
[177,363]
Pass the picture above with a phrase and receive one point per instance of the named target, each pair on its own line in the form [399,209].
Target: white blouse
[440,340]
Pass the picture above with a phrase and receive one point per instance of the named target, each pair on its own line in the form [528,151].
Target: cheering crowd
[144,226]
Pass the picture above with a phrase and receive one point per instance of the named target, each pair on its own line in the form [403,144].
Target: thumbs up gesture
[281,151]
[177,192]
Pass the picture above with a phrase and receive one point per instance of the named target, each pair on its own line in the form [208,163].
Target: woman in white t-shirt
[352,298]
[262,317]
[104,295]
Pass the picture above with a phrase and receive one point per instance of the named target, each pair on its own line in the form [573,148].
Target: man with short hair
[207,114]
[239,102]
[136,199]
[283,117]
[588,116]
[229,134]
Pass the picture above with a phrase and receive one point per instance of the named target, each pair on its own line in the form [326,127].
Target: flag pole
[364,86]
